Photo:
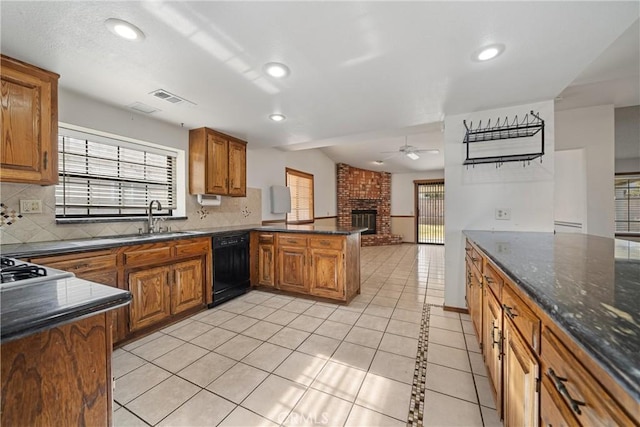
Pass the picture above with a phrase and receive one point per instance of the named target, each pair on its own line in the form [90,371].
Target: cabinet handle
[488,279]
[79,266]
[474,259]
[324,243]
[497,342]
[558,382]
[469,282]
[509,311]
[45,160]
[467,249]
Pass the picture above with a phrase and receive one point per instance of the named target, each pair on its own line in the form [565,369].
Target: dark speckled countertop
[25,310]
[22,250]
[589,285]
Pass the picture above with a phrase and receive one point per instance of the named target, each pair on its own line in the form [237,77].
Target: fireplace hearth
[364,218]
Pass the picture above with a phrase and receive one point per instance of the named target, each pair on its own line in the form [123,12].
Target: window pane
[627,204]
[301,187]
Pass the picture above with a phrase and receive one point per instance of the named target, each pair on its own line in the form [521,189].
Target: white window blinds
[301,187]
[103,177]
[627,201]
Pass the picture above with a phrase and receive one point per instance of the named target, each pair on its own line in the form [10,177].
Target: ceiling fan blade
[389,152]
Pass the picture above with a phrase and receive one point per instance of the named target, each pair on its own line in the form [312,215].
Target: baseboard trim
[455,309]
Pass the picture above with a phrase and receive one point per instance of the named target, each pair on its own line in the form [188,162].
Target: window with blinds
[301,187]
[104,177]
[627,201]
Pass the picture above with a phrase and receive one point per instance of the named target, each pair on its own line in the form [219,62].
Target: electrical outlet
[503,213]
[30,206]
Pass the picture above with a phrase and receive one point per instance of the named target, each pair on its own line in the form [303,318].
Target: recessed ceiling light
[124,29]
[277,117]
[378,162]
[489,52]
[277,70]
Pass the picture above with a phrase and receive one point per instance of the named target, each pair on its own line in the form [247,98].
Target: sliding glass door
[430,212]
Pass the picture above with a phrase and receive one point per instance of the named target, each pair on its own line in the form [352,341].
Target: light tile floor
[265,359]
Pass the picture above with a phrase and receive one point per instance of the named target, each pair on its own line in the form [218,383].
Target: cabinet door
[292,269]
[151,296]
[237,169]
[266,265]
[187,289]
[327,273]
[553,412]
[520,378]
[474,299]
[492,344]
[28,151]
[217,164]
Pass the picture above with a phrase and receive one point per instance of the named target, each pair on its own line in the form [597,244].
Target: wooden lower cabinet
[266,259]
[521,373]
[326,276]
[151,295]
[492,344]
[186,289]
[292,269]
[553,412]
[59,377]
[474,297]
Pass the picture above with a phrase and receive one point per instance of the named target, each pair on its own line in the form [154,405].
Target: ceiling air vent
[142,108]
[169,97]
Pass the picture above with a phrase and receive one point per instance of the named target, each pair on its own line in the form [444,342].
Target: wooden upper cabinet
[29,149]
[217,163]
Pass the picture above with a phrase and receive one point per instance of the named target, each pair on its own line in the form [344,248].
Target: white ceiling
[364,74]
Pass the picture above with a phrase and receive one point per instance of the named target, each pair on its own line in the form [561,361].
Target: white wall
[627,139]
[592,129]
[403,190]
[473,194]
[570,191]
[266,167]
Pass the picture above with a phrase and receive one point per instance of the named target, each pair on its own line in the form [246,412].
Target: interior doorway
[429,199]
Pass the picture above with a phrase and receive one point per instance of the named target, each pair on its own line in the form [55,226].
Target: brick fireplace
[364,190]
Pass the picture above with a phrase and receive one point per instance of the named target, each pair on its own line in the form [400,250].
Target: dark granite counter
[590,286]
[21,250]
[25,310]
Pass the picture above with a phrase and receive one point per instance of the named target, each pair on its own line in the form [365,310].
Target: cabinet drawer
[473,255]
[326,243]
[266,238]
[493,280]
[292,240]
[553,412]
[192,248]
[147,256]
[576,387]
[473,269]
[79,263]
[522,317]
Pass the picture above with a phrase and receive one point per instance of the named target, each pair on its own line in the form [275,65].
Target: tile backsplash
[22,228]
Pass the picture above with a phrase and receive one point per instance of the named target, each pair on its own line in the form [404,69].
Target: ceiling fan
[408,150]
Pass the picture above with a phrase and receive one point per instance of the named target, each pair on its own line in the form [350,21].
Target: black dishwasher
[230,266]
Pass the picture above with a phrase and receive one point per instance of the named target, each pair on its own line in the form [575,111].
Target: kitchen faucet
[151,226]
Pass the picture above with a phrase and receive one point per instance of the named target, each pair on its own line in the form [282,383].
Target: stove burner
[15,273]
[6,262]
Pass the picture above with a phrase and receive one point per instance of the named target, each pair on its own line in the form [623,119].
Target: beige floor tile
[267,357]
[442,410]
[236,306]
[298,306]
[257,297]
[467,327]
[276,302]
[319,346]
[301,368]
[446,337]
[241,417]
[333,330]
[281,317]
[124,363]
[262,330]
[397,344]
[439,311]
[384,301]
[136,382]
[139,342]
[190,330]
[485,393]
[490,417]
[217,317]
[317,408]
[214,338]
[477,364]
[372,322]
[406,329]
[448,356]
[156,348]
[385,395]
[305,323]
[354,355]
[180,357]
[269,400]
[387,293]
[344,316]
[361,416]
[365,337]
[238,382]
[465,317]
[407,315]
[451,382]
[472,343]
[259,312]
[378,310]
[239,323]
[435,293]
[320,311]
[393,366]
[123,418]
[206,369]
[445,323]
[339,380]
[203,409]
[416,306]
[289,337]
[238,347]
[163,399]
[357,307]
[180,324]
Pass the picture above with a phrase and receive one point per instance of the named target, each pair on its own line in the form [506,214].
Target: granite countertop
[25,310]
[19,250]
[589,285]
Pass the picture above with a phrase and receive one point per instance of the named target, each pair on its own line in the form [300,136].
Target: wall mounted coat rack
[528,127]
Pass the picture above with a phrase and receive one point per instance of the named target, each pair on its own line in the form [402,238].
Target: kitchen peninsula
[557,316]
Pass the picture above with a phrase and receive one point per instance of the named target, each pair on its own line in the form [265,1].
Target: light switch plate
[30,206]
[503,213]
